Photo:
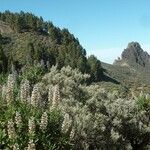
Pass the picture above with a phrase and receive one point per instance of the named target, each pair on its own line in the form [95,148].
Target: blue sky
[103,27]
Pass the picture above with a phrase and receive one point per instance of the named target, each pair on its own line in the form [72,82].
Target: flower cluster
[25,91]
[115,135]
[72,134]
[18,119]
[9,89]
[66,123]
[16,147]
[31,145]
[50,95]
[3,91]
[44,121]
[35,97]
[11,130]
[31,125]
[56,97]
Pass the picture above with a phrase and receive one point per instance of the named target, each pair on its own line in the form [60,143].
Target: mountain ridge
[134,56]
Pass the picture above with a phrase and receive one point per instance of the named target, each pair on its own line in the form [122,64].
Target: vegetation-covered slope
[50,101]
[26,40]
[63,112]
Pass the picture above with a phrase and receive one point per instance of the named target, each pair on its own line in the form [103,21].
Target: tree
[3,60]
[0,37]
[30,54]
[18,23]
[39,23]
[95,68]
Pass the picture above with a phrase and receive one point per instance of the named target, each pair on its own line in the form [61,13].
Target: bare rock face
[134,56]
[4,28]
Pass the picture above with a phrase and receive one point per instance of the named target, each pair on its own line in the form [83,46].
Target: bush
[63,112]
[23,124]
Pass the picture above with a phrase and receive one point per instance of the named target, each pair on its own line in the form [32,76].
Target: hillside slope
[27,40]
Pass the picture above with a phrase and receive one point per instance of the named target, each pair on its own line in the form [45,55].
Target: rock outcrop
[134,56]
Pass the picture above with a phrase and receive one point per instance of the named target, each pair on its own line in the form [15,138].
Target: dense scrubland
[54,97]
[63,112]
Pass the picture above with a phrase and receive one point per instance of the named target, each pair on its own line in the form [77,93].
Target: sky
[103,27]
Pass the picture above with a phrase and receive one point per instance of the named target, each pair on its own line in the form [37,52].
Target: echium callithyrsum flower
[16,147]
[25,91]
[35,97]
[31,125]
[147,96]
[66,123]
[4,88]
[9,89]
[50,95]
[31,145]
[72,134]
[18,119]
[115,135]
[44,121]
[11,130]
[56,97]
[0,89]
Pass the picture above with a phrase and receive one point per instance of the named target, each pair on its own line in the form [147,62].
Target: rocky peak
[134,45]
[134,56]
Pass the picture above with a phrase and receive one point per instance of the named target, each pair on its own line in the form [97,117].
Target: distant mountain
[132,69]
[134,56]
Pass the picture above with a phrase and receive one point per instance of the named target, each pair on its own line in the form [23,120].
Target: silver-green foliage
[101,120]
[92,117]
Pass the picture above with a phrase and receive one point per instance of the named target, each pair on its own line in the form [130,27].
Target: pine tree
[0,37]
[3,60]
[95,68]
[31,52]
